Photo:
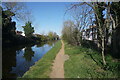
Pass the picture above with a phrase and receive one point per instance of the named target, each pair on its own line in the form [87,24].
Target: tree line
[10,36]
[99,20]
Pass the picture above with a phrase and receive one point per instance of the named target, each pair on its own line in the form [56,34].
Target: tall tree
[8,27]
[82,18]
[67,32]
[50,34]
[28,29]
[98,11]
[101,27]
[114,17]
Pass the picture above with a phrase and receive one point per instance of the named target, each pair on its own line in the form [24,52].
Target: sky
[47,16]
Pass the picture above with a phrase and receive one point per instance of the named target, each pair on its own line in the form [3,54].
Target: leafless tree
[19,9]
[67,31]
[82,16]
[94,7]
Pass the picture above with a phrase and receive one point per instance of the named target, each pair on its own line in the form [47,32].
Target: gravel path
[58,65]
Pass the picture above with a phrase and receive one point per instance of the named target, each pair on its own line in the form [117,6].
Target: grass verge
[42,68]
[87,63]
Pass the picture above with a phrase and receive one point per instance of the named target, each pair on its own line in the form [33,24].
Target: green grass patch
[43,67]
[87,63]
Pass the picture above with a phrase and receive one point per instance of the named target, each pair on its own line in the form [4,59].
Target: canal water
[18,59]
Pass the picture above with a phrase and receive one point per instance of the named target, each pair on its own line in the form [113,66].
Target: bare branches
[19,9]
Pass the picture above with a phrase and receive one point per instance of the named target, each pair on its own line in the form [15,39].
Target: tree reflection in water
[17,60]
[28,54]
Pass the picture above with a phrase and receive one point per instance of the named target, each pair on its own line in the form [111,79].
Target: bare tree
[95,8]
[19,9]
[82,18]
[103,23]
[67,31]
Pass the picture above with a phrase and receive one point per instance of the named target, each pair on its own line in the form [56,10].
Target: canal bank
[18,59]
[43,67]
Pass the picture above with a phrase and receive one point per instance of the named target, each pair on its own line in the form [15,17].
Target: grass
[42,68]
[87,63]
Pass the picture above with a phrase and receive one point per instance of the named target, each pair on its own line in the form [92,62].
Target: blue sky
[47,16]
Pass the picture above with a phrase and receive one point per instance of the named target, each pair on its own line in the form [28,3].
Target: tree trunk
[103,50]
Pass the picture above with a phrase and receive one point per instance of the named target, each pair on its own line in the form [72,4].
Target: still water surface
[18,60]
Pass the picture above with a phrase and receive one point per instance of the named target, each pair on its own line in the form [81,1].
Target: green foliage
[9,13]
[43,67]
[7,21]
[8,27]
[50,34]
[28,29]
[87,63]
[44,38]
[53,36]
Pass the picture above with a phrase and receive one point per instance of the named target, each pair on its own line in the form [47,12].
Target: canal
[18,59]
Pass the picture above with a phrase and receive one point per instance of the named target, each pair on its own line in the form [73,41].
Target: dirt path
[58,65]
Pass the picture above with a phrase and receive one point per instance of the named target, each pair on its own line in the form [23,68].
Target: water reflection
[17,60]
[8,61]
[28,54]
